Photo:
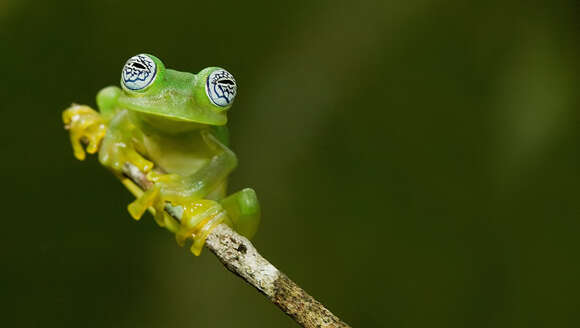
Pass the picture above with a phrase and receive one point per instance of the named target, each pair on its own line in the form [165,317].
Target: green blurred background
[417,162]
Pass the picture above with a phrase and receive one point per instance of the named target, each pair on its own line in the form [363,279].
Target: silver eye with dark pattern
[139,72]
[221,88]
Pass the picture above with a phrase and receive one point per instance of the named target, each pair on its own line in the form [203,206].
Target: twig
[239,256]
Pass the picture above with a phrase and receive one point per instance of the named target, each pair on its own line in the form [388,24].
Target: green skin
[174,124]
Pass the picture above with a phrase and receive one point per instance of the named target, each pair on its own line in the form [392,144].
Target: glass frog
[172,126]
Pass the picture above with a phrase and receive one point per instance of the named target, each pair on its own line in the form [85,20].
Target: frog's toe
[198,220]
[95,137]
[141,204]
[115,155]
[78,150]
[141,163]
[69,114]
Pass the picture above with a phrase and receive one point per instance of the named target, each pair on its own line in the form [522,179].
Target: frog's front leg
[119,146]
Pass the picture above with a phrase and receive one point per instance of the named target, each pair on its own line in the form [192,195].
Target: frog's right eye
[139,72]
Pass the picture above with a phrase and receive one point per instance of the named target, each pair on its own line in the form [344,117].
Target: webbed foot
[117,151]
[198,216]
[85,126]
[198,220]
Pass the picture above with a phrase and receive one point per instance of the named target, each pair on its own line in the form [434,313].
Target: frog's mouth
[175,107]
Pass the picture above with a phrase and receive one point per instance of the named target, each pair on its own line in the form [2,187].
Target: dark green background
[417,162]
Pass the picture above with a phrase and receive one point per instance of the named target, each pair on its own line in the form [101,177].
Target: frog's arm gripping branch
[239,256]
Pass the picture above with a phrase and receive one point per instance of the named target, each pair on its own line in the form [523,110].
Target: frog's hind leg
[243,210]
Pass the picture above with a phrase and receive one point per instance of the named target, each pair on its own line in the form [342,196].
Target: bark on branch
[239,256]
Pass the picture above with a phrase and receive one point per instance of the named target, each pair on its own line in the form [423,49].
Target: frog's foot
[85,126]
[198,216]
[150,200]
[116,152]
[243,209]
[198,220]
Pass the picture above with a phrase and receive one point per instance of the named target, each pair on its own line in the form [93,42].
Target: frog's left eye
[139,72]
[221,87]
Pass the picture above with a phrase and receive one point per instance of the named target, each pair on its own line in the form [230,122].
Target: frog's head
[148,87]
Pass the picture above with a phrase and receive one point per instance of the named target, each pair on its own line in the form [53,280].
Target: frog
[172,126]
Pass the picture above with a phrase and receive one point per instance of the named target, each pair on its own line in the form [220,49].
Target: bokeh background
[417,162]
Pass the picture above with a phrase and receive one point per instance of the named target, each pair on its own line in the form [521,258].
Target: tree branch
[239,256]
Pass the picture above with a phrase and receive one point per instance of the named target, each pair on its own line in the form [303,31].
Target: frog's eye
[139,72]
[221,87]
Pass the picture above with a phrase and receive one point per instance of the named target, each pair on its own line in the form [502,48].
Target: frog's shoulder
[222,133]
[107,101]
